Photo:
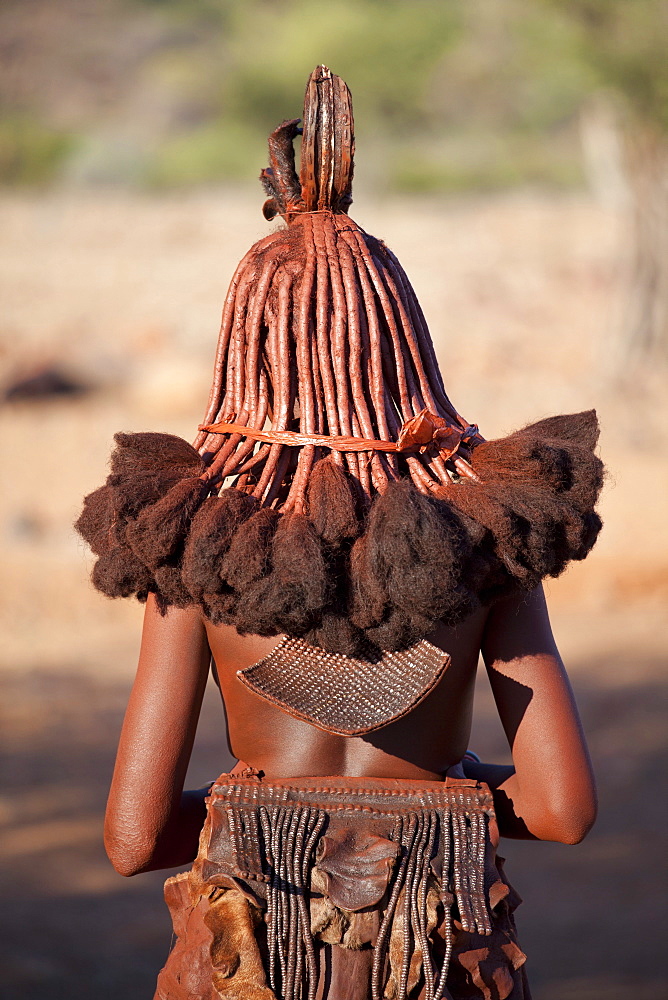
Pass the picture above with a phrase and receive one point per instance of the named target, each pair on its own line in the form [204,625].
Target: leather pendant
[345,695]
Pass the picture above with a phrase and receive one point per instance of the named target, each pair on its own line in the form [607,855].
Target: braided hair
[333,492]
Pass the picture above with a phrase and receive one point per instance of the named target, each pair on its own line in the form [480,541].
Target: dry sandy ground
[524,296]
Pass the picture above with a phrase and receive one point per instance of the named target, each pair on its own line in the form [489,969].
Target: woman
[342,545]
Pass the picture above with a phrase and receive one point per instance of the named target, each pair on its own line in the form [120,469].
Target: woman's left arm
[151,822]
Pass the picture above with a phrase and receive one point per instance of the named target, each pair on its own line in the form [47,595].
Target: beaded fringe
[290,835]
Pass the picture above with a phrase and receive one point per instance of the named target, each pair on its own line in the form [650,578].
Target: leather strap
[422,431]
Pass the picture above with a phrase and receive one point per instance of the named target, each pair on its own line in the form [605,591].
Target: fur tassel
[332,506]
[211,533]
[119,573]
[368,594]
[336,633]
[579,429]
[536,495]
[247,558]
[160,530]
[220,608]
[170,589]
[399,630]
[96,519]
[146,452]
[246,564]
[144,467]
[415,552]
[288,599]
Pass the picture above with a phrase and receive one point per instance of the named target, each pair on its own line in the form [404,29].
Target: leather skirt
[344,888]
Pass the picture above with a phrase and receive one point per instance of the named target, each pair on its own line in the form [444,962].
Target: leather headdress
[333,492]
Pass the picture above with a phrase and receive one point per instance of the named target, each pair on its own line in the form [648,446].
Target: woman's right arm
[151,822]
[551,795]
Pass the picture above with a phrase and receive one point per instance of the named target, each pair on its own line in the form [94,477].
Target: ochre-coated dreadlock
[321,334]
[333,491]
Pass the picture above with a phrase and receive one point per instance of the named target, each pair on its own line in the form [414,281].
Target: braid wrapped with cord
[333,492]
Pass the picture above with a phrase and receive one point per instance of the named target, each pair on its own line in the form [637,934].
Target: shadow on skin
[408,733]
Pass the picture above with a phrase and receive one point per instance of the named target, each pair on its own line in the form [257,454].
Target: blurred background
[515,157]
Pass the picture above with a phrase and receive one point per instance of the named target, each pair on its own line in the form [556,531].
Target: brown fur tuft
[288,599]
[339,577]
[118,573]
[96,519]
[149,451]
[211,533]
[332,506]
[160,530]
[247,558]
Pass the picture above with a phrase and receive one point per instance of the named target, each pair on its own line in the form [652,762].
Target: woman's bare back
[423,744]
[549,794]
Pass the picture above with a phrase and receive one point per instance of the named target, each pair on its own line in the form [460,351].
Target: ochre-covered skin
[548,795]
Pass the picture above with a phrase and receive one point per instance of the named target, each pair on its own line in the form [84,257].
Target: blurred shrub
[449,94]
[485,163]
[387,49]
[624,45]
[30,150]
[206,154]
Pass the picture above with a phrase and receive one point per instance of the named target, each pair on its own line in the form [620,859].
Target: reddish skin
[549,794]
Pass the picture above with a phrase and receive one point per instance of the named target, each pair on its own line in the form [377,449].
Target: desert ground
[122,293]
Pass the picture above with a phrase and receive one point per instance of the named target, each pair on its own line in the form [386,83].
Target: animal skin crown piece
[328,143]
[327,153]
